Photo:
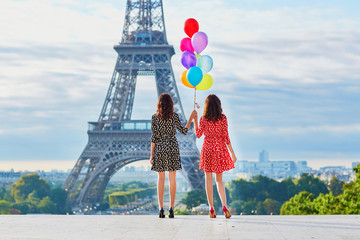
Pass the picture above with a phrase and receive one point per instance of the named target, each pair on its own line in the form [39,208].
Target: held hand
[194,114]
[233,157]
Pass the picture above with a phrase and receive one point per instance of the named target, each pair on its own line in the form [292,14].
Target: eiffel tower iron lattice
[115,140]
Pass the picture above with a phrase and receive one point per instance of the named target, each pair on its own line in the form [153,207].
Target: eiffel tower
[115,140]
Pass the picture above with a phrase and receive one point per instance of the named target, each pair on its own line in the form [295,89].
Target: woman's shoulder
[175,115]
[203,120]
[223,118]
[154,116]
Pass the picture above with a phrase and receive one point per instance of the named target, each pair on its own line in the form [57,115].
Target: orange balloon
[184,79]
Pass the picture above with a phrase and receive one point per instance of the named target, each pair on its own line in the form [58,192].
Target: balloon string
[195,99]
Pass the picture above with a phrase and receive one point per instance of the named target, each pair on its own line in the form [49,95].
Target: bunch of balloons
[197,65]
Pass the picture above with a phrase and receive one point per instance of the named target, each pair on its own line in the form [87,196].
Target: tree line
[346,201]
[262,195]
[32,194]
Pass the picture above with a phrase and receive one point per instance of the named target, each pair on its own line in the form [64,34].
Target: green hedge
[347,202]
[124,197]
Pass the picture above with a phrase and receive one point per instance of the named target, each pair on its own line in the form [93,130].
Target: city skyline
[286,74]
[67,165]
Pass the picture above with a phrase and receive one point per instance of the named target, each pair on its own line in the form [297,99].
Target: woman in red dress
[215,157]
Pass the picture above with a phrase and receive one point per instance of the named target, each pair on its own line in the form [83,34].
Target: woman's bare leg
[221,188]
[172,190]
[209,188]
[161,188]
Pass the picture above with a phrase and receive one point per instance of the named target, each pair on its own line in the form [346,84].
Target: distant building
[333,169]
[302,167]
[282,169]
[273,169]
[340,172]
[8,178]
[264,156]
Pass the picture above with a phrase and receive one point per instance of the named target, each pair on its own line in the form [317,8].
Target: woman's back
[166,128]
[214,130]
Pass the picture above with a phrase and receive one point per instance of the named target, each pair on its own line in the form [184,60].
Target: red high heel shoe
[226,211]
[212,213]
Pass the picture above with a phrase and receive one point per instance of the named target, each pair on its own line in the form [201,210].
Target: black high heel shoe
[171,213]
[161,213]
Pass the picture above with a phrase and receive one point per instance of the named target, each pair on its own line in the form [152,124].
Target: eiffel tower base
[108,151]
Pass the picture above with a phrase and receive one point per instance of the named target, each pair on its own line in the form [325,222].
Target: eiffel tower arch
[115,140]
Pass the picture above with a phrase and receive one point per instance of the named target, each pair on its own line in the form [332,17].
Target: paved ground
[182,227]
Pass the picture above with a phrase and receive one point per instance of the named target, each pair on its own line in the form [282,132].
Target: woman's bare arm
[196,125]
[152,153]
[192,115]
[233,156]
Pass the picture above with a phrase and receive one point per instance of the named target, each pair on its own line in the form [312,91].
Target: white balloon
[205,63]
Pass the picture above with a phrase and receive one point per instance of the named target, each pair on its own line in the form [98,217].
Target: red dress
[215,156]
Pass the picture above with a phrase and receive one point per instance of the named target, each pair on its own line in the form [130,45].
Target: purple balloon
[188,59]
[199,41]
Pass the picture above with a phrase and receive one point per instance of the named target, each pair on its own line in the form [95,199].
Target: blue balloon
[194,76]
[205,63]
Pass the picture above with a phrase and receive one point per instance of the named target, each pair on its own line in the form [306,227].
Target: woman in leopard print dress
[165,155]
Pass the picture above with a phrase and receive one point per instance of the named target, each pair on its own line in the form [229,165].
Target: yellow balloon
[206,83]
[184,79]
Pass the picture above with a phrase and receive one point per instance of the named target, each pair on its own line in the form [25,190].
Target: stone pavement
[79,227]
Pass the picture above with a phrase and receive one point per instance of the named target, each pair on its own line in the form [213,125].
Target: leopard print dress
[166,151]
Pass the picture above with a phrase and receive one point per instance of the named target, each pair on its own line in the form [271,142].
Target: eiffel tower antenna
[115,140]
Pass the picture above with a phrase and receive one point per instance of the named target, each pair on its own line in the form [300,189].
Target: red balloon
[191,27]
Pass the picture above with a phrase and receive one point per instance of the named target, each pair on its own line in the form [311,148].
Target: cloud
[315,129]
[46,21]
[38,129]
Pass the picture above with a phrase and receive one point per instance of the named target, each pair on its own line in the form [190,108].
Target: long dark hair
[212,109]
[165,107]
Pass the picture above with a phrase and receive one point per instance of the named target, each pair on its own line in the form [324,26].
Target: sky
[287,73]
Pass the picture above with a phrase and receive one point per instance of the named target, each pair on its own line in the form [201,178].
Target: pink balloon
[199,41]
[185,45]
